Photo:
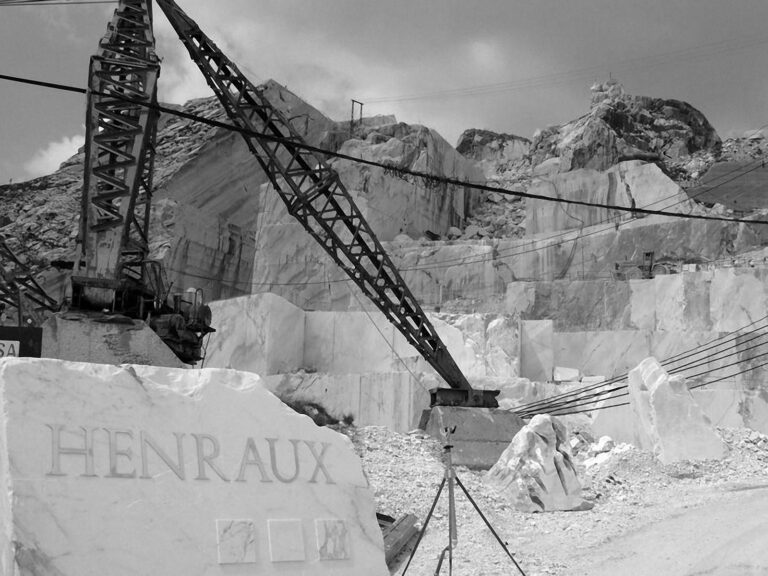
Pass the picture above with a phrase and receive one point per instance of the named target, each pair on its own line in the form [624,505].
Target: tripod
[452,480]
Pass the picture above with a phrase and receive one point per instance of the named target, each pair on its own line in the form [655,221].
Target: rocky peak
[620,127]
[484,146]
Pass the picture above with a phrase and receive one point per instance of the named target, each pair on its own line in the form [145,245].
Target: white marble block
[667,419]
[128,470]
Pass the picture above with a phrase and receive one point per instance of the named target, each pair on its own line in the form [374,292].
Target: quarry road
[725,537]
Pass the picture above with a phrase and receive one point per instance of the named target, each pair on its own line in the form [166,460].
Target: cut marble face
[237,541]
[286,541]
[332,539]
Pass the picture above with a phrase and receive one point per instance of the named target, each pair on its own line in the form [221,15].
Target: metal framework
[20,284]
[314,194]
[119,157]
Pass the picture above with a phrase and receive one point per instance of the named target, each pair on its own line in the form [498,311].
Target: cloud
[48,159]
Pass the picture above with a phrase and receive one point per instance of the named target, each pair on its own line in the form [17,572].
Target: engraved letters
[136,454]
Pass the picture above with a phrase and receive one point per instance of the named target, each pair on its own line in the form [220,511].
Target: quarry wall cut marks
[139,469]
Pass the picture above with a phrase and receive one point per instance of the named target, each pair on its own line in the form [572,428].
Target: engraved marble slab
[237,541]
[332,539]
[286,541]
[174,472]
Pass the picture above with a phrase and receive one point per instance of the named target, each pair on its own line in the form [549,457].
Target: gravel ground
[630,489]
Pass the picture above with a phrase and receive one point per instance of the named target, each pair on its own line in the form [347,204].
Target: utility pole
[352,117]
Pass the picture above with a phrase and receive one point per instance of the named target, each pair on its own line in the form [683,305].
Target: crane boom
[315,195]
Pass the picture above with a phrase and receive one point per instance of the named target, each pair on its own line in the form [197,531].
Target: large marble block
[537,359]
[608,353]
[670,302]
[143,470]
[261,333]
[667,419]
[737,298]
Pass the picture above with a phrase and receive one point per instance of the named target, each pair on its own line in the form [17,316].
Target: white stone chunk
[667,419]
[536,472]
[127,470]
[564,374]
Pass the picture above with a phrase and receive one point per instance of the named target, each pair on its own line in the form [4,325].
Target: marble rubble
[666,418]
[536,472]
[126,470]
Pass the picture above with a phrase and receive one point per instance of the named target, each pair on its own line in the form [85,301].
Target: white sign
[8,348]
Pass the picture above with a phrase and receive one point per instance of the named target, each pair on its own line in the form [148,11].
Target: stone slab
[261,333]
[89,338]
[537,360]
[481,436]
[144,470]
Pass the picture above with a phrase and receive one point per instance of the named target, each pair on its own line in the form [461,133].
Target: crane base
[465,398]
[481,434]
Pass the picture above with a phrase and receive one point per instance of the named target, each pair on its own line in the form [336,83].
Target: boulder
[131,469]
[493,151]
[471,231]
[536,472]
[667,419]
[621,126]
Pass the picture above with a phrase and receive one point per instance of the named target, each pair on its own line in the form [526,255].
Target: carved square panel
[332,539]
[236,541]
[286,540]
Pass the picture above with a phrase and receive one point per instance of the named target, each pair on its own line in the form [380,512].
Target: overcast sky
[505,65]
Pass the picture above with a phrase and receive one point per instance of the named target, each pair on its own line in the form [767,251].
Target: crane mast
[112,271]
[314,194]
[112,243]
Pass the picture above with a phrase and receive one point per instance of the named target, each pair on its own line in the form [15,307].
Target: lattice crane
[316,197]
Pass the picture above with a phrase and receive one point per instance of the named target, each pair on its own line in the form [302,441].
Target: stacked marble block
[607,327]
[355,363]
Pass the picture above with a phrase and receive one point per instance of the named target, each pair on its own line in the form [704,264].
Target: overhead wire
[53,3]
[389,167]
[706,50]
[697,350]
[453,181]
[620,391]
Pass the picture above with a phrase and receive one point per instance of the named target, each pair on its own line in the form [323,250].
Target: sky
[505,65]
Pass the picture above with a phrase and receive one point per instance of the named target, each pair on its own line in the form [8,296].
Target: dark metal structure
[20,290]
[112,271]
[117,185]
[316,197]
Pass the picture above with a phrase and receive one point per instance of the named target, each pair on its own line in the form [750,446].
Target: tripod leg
[424,528]
[440,560]
[477,508]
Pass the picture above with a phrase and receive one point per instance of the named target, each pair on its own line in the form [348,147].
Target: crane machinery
[112,271]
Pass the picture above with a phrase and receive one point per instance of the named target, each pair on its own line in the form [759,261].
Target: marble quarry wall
[486,269]
[218,225]
[719,300]
[629,184]
[606,328]
[355,362]
[268,335]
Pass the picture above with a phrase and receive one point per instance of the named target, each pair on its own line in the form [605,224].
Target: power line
[703,50]
[53,3]
[396,170]
[574,394]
